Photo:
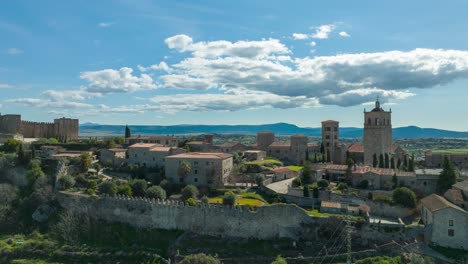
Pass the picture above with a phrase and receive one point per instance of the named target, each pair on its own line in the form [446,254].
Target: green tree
[447,176]
[229,198]
[411,163]
[315,158]
[405,163]
[53,141]
[259,178]
[85,161]
[374,161]
[35,172]
[392,163]
[189,191]
[381,161]
[342,186]
[119,140]
[387,161]
[156,192]
[11,145]
[184,168]
[306,176]
[139,187]
[23,158]
[398,166]
[315,192]
[124,189]
[279,260]
[322,184]
[191,201]
[107,187]
[205,199]
[306,191]
[66,182]
[322,148]
[97,167]
[394,180]
[405,197]
[127,132]
[199,259]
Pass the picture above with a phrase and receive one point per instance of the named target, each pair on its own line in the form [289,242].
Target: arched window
[377,121]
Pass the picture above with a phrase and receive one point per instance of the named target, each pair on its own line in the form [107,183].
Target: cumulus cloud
[212,49]
[300,36]
[313,44]
[161,66]
[14,51]
[344,34]
[323,31]
[116,81]
[362,96]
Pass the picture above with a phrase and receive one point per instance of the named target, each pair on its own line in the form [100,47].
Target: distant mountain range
[92,129]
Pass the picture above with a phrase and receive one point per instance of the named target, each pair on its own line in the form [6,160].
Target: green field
[295,168]
[451,151]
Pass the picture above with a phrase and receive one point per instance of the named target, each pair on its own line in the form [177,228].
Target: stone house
[150,155]
[251,155]
[231,147]
[283,173]
[446,224]
[206,169]
[113,156]
[166,141]
[435,159]
[339,208]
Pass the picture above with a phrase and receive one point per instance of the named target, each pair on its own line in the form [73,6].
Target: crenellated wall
[64,129]
[269,222]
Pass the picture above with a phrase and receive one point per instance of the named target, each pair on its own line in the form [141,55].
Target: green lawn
[239,201]
[317,213]
[265,162]
[451,151]
[295,168]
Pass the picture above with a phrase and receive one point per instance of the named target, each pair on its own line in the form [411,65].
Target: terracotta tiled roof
[281,170]
[330,204]
[145,145]
[353,148]
[455,196]
[195,143]
[201,155]
[162,149]
[435,202]
[118,149]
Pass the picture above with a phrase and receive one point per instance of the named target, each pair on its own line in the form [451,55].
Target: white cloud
[323,31]
[116,81]
[299,36]
[313,44]
[14,51]
[161,66]
[46,103]
[212,49]
[344,34]
[105,24]
[5,86]
[362,96]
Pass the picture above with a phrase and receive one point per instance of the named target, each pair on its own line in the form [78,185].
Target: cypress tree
[374,161]
[315,158]
[392,163]
[398,163]
[387,163]
[405,163]
[328,156]
[381,161]
[447,177]
[411,163]
[127,132]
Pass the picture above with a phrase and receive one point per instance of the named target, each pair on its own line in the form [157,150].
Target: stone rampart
[269,222]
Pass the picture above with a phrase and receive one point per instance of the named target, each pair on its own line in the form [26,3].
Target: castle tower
[330,138]
[377,133]
[299,149]
[265,139]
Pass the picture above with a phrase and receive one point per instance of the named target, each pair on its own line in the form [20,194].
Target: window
[327,129]
[328,144]
[327,137]
[336,137]
[196,171]
[195,180]
[450,222]
[335,129]
[195,163]
[451,232]
[181,180]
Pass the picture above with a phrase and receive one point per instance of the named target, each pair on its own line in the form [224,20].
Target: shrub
[342,186]
[383,198]
[124,189]
[370,196]
[322,184]
[107,187]
[156,192]
[205,200]
[306,191]
[405,197]
[297,182]
[66,182]
[364,184]
[90,191]
[81,181]
[189,191]
[139,188]
[199,259]
[191,201]
[229,198]
[279,260]
[259,178]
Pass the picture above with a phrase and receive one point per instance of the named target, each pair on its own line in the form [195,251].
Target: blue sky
[235,62]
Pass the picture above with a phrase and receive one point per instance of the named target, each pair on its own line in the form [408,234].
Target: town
[326,199]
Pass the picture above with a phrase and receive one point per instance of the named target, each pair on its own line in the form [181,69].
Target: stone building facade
[296,151]
[150,155]
[265,139]
[377,133]
[113,156]
[167,141]
[446,224]
[435,159]
[206,169]
[64,129]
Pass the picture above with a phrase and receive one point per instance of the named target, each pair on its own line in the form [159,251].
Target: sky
[235,62]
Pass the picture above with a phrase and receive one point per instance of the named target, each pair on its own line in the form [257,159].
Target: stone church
[377,133]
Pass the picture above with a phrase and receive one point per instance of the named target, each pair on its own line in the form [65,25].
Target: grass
[265,162]
[295,168]
[241,201]
[451,151]
[317,213]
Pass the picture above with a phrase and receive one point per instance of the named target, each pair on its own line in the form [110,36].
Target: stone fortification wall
[10,124]
[269,222]
[37,129]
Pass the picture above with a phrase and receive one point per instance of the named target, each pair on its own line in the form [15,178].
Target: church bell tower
[377,133]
